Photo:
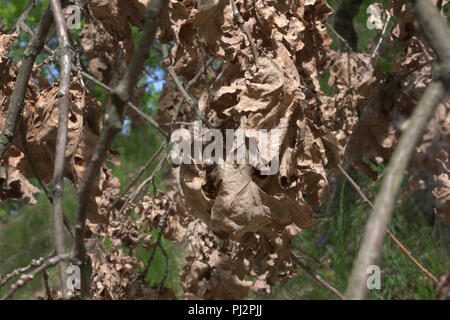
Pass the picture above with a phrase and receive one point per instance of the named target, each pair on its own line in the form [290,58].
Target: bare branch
[19,271]
[437,31]
[394,238]
[61,136]
[113,125]
[27,277]
[381,214]
[16,103]
[316,277]
[382,36]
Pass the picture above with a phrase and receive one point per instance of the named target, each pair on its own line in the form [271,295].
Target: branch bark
[113,125]
[31,5]
[16,103]
[27,277]
[61,136]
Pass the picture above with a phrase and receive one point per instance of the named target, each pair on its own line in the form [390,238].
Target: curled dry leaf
[208,273]
[106,37]
[259,214]
[14,185]
[153,211]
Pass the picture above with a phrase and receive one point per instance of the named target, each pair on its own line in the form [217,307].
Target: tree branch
[113,126]
[27,277]
[18,271]
[61,136]
[316,277]
[25,15]
[394,238]
[381,214]
[17,103]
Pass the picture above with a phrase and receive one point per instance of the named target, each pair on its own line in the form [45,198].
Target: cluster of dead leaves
[429,166]
[106,37]
[116,274]
[40,125]
[115,277]
[107,42]
[385,102]
[275,90]
[212,269]
[13,184]
[279,89]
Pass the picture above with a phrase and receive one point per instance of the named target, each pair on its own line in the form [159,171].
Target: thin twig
[129,103]
[139,174]
[31,5]
[375,51]
[316,277]
[27,277]
[135,193]
[183,92]
[397,242]
[343,41]
[382,37]
[238,18]
[188,86]
[157,243]
[19,271]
